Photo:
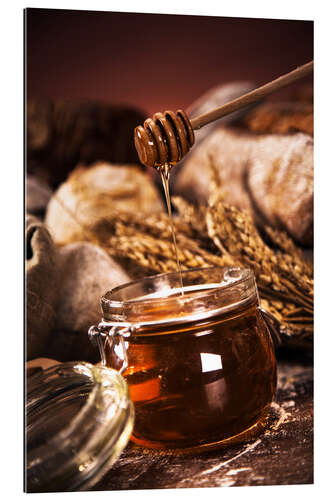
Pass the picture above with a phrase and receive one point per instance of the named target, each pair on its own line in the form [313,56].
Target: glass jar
[199,361]
[78,420]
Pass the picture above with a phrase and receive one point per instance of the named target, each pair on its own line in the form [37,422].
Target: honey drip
[164,171]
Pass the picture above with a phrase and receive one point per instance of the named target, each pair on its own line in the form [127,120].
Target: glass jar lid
[79,418]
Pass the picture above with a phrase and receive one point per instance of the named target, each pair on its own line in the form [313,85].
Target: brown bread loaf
[270,175]
[91,194]
[281,118]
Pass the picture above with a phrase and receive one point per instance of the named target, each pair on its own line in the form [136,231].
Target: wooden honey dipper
[167,137]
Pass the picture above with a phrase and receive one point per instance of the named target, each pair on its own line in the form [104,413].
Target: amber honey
[164,171]
[199,380]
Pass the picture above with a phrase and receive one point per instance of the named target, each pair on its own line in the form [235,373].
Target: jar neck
[154,301]
[136,327]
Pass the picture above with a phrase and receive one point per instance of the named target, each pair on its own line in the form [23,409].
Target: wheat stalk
[216,235]
[284,277]
[157,254]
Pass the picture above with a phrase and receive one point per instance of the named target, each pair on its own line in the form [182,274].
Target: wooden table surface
[282,454]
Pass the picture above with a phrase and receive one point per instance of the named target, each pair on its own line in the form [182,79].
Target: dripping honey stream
[164,171]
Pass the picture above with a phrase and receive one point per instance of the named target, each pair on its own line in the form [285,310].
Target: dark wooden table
[283,454]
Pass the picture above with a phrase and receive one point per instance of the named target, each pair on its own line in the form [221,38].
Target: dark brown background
[154,61]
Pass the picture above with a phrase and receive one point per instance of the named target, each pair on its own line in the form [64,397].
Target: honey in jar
[199,362]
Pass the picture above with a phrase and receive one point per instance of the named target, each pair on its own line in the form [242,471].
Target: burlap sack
[91,194]
[86,273]
[64,288]
[42,280]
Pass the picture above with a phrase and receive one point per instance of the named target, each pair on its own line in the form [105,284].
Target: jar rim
[117,302]
[106,414]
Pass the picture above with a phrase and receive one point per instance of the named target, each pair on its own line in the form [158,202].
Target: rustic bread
[92,194]
[270,175]
[281,118]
